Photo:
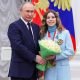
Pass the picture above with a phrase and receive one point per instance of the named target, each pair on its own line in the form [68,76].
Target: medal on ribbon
[60,41]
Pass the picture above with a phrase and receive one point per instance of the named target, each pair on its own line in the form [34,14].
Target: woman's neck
[52,28]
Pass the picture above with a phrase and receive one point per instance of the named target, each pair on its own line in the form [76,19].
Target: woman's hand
[50,57]
[51,60]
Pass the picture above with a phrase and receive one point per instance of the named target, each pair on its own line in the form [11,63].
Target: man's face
[27,12]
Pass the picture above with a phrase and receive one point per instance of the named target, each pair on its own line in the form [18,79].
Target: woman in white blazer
[53,29]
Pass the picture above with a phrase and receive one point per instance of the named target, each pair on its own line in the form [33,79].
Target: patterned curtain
[9,12]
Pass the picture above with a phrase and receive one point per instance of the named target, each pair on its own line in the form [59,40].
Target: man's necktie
[29,26]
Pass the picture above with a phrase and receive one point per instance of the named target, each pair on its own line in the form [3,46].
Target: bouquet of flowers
[47,48]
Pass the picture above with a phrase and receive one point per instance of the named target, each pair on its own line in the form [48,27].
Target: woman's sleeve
[68,50]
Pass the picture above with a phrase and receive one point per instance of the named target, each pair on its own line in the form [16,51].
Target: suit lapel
[22,24]
[25,30]
[34,31]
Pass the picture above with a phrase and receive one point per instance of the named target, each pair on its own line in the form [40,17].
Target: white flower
[50,45]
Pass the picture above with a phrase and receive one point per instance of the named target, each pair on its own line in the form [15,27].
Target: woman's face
[51,19]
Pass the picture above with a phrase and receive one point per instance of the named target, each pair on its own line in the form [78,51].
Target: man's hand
[40,60]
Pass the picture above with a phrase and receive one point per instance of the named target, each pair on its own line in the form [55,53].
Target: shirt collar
[24,21]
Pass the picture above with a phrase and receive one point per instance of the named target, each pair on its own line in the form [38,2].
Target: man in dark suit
[24,35]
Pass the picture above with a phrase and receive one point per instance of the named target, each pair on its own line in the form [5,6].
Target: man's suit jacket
[24,50]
